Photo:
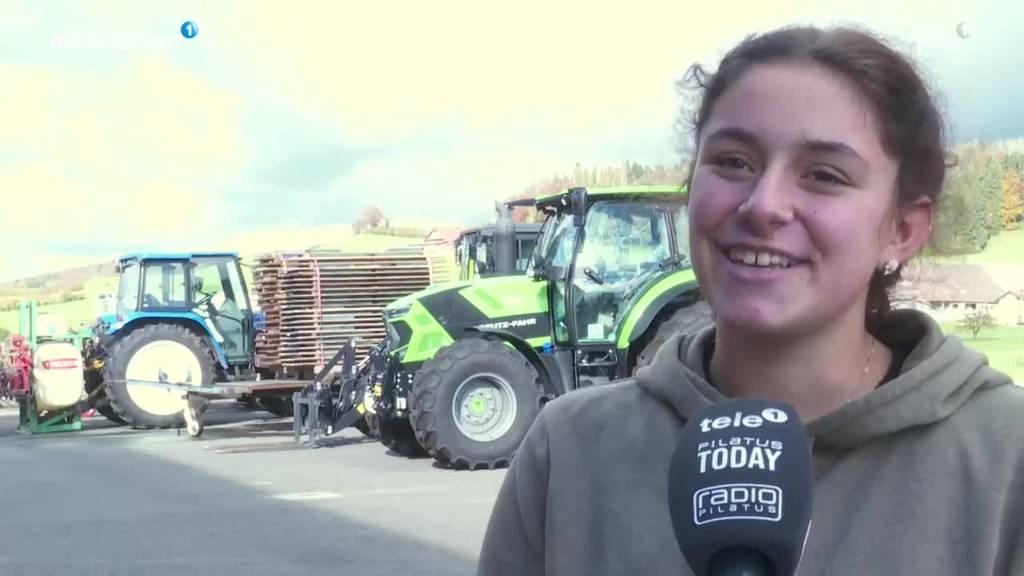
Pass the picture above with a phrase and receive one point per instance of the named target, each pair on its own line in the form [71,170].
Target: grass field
[1006,248]
[1004,347]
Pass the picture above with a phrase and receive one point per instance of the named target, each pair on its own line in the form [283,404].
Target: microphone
[740,489]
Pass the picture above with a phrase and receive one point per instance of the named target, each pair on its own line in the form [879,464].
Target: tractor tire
[94,381]
[145,354]
[473,403]
[394,433]
[685,320]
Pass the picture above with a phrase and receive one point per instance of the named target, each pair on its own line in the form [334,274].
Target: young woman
[819,161]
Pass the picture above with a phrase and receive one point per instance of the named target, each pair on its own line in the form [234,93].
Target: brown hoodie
[924,475]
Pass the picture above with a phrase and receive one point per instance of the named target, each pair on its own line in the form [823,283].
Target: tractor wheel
[157,352]
[94,380]
[394,433]
[473,403]
[686,320]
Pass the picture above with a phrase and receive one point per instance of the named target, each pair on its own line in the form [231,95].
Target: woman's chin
[753,319]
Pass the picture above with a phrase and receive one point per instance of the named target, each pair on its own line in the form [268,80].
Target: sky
[279,122]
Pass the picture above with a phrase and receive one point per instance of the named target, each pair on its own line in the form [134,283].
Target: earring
[890,266]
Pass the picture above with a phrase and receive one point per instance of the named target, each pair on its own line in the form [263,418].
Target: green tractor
[466,367]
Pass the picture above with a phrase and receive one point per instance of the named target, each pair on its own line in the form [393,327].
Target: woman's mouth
[758,258]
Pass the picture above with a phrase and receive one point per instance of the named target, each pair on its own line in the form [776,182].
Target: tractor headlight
[369,402]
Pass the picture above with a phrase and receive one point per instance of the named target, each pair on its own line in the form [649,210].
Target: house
[950,291]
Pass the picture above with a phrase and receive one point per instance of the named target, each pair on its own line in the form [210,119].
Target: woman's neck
[816,373]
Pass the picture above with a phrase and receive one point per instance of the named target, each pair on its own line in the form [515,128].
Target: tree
[372,217]
[969,210]
[1013,199]
[975,320]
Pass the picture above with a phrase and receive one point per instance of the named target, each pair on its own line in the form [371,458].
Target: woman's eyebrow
[733,133]
[744,136]
[832,147]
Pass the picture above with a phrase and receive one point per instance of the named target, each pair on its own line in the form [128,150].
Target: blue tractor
[180,318]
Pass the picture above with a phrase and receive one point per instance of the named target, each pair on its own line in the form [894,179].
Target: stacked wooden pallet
[315,301]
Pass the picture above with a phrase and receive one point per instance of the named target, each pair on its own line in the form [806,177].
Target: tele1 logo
[189,29]
[740,420]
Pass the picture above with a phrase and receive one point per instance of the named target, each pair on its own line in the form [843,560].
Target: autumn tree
[969,211]
[1012,200]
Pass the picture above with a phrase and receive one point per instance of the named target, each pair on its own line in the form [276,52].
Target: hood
[938,376]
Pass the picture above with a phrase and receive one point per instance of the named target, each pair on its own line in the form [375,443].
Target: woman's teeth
[762,259]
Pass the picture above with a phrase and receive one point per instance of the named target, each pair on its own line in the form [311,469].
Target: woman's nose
[769,205]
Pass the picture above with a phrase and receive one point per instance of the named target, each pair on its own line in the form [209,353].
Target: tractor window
[128,289]
[234,282]
[206,281]
[561,247]
[483,262]
[218,298]
[524,253]
[164,285]
[682,223]
[624,246]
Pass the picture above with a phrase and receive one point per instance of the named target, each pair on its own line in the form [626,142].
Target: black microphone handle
[740,562]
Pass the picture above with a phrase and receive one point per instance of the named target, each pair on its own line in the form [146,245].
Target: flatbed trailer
[317,411]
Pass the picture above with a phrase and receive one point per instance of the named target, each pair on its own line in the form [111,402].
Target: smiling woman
[819,160]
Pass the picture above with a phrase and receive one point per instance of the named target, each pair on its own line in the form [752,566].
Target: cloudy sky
[279,121]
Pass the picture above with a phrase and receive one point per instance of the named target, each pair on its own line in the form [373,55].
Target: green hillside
[1006,248]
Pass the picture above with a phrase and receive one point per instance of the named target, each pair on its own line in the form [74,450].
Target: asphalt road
[242,500]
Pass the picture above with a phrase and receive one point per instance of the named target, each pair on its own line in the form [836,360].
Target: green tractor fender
[532,356]
[676,288]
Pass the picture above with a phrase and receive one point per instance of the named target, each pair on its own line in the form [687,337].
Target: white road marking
[307,496]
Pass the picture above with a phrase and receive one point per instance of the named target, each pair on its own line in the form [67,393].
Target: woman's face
[791,200]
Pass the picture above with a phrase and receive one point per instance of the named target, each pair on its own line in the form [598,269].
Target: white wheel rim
[484,407]
[167,361]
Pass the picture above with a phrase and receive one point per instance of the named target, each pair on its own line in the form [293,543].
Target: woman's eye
[732,163]
[827,177]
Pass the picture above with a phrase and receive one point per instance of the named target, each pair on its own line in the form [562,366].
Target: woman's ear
[911,230]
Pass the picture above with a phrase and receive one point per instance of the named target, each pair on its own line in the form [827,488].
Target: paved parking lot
[242,500]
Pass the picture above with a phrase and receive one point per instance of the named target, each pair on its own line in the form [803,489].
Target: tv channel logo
[189,29]
[737,502]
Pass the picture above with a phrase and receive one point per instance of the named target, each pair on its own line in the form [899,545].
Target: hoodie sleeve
[514,541]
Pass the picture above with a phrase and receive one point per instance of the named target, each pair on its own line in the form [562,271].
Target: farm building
[950,291]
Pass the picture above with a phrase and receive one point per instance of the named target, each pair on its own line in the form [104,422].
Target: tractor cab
[206,290]
[601,252]
[475,251]
[501,249]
